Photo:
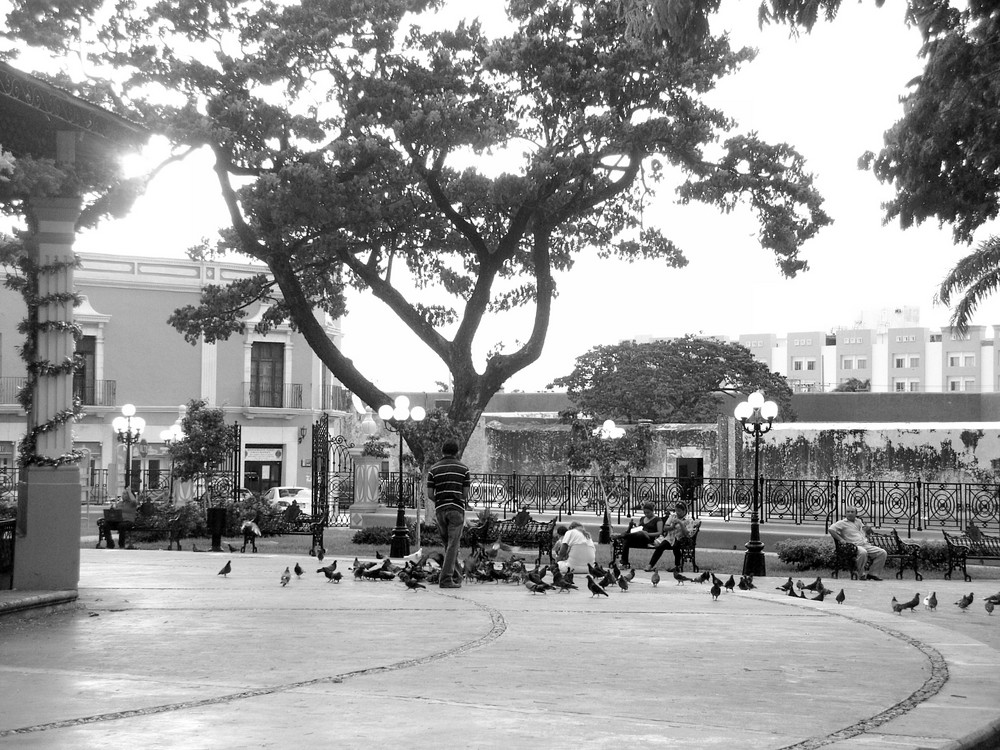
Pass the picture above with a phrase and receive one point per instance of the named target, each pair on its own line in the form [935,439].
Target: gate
[332,474]
[223,482]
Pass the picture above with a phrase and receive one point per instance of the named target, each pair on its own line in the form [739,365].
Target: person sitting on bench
[650,527]
[850,530]
[679,525]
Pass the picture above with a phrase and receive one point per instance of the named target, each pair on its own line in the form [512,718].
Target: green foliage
[376,447]
[590,450]
[854,385]
[806,554]
[379,536]
[390,181]
[678,380]
[208,441]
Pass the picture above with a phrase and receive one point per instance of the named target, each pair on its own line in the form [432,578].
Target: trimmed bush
[806,554]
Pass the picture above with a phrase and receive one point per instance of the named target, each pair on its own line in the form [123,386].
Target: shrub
[806,554]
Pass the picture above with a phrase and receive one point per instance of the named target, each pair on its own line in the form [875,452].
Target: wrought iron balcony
[96,393]
[9,388]
[335,398]
[263,396]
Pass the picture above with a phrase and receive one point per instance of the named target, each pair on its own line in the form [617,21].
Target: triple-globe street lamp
[128,428]
[400,412]
[757,417]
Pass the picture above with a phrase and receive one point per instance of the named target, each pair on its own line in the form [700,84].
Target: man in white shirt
[851,530]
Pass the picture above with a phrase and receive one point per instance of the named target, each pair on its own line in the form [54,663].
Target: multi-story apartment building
[272,384]
[763,347]
[854,354]
[962,358]
[804,365]
[907,359]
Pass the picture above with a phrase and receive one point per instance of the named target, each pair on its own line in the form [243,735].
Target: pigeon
[320,554]
[298,570]
[820,596]
[786,586]
[814,586]
[841,597]
[413,584]
[286,577]
[595,588]
[730,584]
[226,569]
[596,571]
[716,590]
[537,588]
[194,548]
[680,578]
[791,593]
[931,601]
[995,598]
[703,577]
[655,578]
[989,607]
[965,601]
[231,547]
[623,583]
[565,583]
[630,575]
[746,583]
[717,580]
[607,580]
[898,607]
[379,555]
[356,564]
[330,575]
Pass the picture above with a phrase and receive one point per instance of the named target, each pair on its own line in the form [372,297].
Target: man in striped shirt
[448,487]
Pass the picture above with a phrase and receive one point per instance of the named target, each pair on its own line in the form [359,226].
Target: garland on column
[27,285]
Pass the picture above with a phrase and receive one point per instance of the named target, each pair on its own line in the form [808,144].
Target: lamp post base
[753,560]
[605,536]
[400,546]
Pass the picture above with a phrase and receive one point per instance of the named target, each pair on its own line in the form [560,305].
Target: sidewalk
[162,652]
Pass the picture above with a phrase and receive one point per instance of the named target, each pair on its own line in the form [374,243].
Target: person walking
[448,483]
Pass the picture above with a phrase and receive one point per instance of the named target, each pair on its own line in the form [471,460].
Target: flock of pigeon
[482,566]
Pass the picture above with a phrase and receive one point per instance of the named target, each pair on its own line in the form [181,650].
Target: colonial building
[272,384]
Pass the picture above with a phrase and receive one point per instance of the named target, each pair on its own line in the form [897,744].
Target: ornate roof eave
[29,105]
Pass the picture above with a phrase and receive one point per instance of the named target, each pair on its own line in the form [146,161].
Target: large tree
[942,157]
[355,149]
[677,380]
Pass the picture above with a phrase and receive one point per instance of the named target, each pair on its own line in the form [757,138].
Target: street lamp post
[400,413]
[607,431]
[757,417]
[129,429]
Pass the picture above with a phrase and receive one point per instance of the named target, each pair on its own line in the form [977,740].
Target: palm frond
[975,277]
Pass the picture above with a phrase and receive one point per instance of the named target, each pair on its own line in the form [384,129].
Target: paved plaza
[161,652]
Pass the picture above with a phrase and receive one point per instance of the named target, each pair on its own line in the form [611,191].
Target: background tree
[853,385]
[679,380]
[208,441]
[352,151]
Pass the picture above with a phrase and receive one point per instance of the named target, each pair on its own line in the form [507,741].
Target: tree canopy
[678,380]
[357,146]
[942,157]
[208,441]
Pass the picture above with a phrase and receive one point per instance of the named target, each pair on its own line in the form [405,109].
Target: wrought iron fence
[913,505]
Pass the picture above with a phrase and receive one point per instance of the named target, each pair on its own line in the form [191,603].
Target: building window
[810,364]
[847,363]
[914,361]
[85,378]
[969,360]
[862,363]
[961,384]
[900,362]
[267,374]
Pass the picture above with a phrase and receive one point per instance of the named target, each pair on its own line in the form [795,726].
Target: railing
[9,388]
[287,396]
[96,393]
[913,505]
[335,398]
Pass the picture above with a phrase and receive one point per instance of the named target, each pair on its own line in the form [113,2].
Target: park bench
[284,524]
[520,530]
[688,547]
[973,543]
[902,553]
[144,522]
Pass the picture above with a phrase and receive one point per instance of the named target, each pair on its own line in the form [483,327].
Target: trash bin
[216,527]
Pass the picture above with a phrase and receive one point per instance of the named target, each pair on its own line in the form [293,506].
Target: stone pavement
[161,652]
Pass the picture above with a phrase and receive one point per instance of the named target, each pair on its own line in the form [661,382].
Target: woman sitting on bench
[678,525]
[650,527]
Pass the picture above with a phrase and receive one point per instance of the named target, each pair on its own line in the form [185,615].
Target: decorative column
[48,518]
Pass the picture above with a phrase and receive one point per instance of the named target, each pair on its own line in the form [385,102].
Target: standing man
[850,529]
[448,487]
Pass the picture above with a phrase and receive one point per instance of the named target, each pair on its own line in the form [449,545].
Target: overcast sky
[831,94]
